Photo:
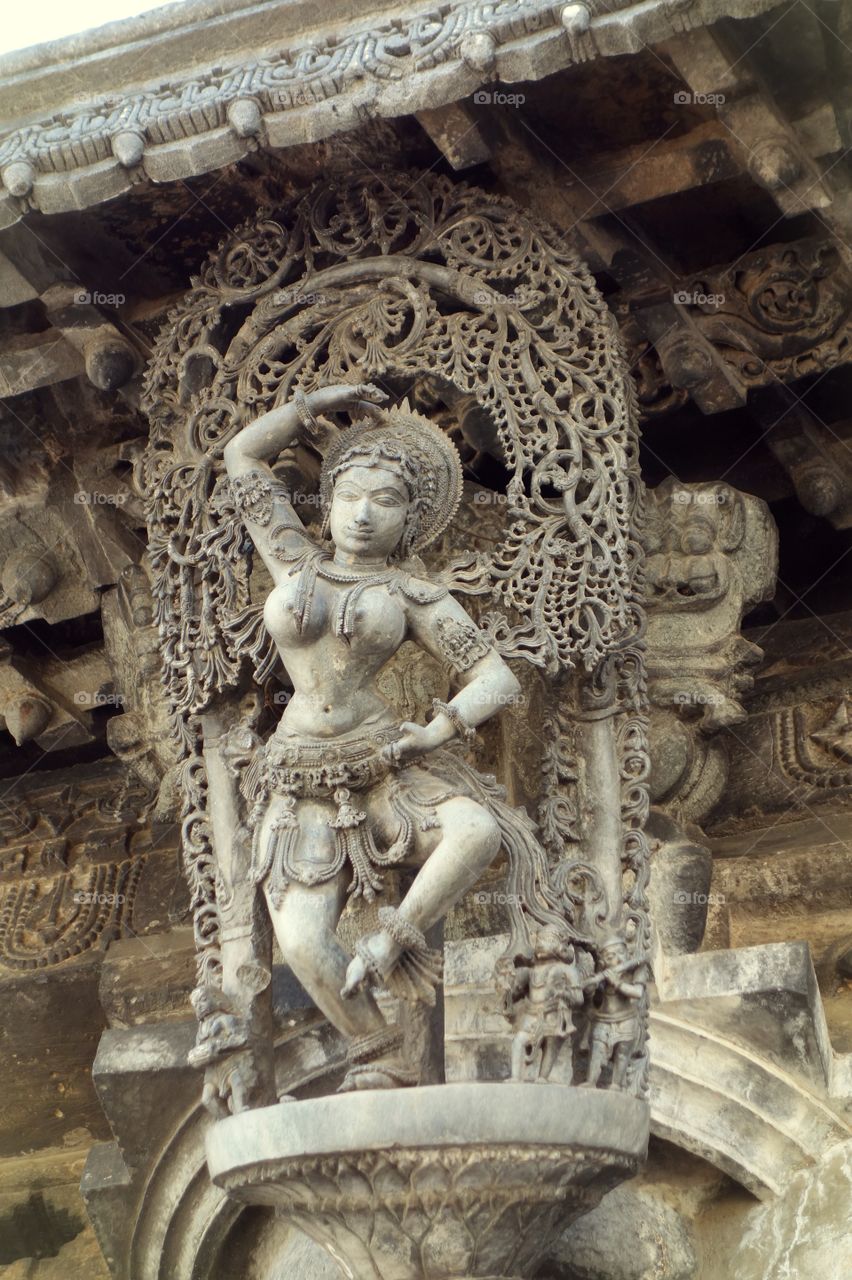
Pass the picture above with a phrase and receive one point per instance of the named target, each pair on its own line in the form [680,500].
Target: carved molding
[326,84]
[772,317]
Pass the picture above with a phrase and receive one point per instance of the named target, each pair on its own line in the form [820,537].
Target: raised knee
[476,826]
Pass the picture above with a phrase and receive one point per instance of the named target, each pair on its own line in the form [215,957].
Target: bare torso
[334,679]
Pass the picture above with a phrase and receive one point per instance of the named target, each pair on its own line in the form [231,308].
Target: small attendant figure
[615,1023]
[550,988]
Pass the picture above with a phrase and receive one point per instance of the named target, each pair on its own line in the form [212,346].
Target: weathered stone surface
[415,73]
[806,1232]
[673,204]
[632,1235]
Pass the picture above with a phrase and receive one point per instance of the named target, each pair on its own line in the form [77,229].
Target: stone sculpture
[711,555]
[615,1022]
[350,827]
[551,988]
[342,790]
[293,820]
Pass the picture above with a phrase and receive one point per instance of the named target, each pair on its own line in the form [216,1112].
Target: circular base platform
[438,1182]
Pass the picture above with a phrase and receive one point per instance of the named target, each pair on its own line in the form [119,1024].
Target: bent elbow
[232,456]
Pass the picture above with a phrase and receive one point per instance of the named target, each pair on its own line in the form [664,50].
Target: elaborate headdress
[428,461]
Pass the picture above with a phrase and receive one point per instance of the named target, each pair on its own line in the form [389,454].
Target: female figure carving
[342,789]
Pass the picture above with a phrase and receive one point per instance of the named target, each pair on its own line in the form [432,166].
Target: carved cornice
[324,82]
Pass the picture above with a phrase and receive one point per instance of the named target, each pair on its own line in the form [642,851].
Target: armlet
[461,643]
[254,496]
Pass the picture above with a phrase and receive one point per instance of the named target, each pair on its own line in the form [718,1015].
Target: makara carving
[712,554]
[293,493]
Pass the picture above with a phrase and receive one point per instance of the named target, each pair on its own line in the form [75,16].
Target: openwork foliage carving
[391,279]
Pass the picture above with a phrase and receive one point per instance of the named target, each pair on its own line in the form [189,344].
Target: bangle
[307,417]
[461,726]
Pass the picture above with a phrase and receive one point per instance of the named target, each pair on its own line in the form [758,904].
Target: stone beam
[457,133]
[817,457]
[233,89]
[707,154]
[31,360]
[772,150]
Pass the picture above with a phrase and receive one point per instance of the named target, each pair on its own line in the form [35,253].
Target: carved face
[614,954]
[369,508]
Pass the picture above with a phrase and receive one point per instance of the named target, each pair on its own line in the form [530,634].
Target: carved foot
[376,1062]
[396,957]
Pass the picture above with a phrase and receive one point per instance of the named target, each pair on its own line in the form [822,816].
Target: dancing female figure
[343,790]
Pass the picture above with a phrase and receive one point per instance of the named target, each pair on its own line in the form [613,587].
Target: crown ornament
[429,462]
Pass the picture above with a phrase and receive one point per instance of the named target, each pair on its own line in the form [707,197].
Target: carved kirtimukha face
[369,508]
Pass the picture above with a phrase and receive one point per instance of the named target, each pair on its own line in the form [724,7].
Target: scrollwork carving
[394,279]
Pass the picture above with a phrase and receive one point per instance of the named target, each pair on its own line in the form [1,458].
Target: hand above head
[345,395]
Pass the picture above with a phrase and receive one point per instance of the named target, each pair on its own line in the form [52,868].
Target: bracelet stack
[465,731]
[307,417]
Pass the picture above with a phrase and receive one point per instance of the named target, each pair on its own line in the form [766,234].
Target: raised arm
[261,498]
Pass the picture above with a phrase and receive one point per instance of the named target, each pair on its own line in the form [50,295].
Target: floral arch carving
[399,277]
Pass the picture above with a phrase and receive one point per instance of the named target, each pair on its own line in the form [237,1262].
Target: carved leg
[598,1058]
[549,1055]
[521,1045]
[469,842]
[620,1062]
[305,924]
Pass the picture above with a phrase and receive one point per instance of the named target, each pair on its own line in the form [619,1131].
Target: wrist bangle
[461,726]
[307,417]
